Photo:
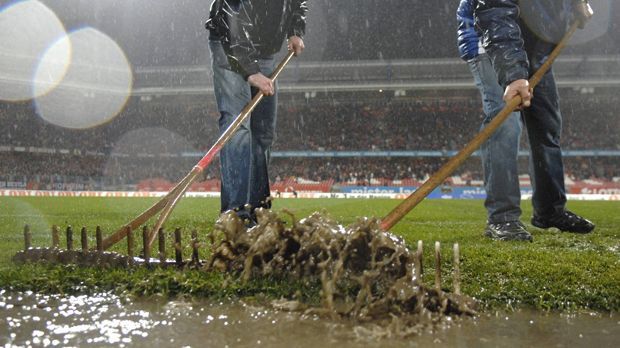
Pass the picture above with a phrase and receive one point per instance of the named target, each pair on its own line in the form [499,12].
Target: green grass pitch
[557,271]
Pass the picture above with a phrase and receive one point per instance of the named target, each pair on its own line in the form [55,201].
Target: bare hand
[262,82]
[583,12]
[519,88]
[296,44]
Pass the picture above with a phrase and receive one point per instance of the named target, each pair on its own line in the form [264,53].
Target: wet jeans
[499,153]
[244,159]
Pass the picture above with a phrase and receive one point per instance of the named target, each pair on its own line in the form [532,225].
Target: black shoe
[248,219]
[565,221]
[512,230]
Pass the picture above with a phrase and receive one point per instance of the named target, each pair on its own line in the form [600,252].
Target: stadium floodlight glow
[27,29]
[95,87]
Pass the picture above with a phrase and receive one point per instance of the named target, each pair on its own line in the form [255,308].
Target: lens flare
[27,29]
[540,23]
[52,67]
[95,87]
[598,24]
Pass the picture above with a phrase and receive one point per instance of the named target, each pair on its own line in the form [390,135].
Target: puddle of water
[29,319]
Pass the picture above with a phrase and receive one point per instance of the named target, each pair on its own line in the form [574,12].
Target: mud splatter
[366,274]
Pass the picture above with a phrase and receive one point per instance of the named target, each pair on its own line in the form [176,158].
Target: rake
[449,167]
[169,201]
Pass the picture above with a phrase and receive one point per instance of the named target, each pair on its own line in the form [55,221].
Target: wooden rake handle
[168,202]
[449,167]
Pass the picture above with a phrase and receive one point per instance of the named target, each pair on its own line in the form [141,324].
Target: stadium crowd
[123,152]
[39,171]
[415,125]
[383,124]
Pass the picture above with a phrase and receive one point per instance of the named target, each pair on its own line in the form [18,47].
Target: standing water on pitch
[29,319]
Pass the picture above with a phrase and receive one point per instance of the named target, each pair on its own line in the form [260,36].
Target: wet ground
[28,319]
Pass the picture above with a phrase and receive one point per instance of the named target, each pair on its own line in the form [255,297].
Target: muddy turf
[558,271]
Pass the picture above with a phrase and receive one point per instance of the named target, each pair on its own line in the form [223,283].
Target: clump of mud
[366,274]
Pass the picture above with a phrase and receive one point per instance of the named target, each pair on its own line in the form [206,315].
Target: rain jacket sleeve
[467,37]
[501,38]
[298,20]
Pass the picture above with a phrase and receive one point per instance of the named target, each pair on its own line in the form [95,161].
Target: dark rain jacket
[502,23]
[253,29]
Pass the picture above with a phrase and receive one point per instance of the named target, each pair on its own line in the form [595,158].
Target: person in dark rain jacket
[244,36]
[518,36]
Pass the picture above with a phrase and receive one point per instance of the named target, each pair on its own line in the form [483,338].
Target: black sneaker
[512,230]
[248,219]
[565,221]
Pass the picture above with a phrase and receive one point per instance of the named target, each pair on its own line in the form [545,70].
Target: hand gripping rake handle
[449,167]
[168,202]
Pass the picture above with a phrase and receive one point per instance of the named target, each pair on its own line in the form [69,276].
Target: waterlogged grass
[559,271]
[70,279]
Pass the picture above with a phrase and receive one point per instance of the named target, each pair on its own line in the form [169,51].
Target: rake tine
[195,244]
[69,238]
[449,167]
[84,239]
[419,255]
[130,249]
[162,246]
[27,237]
[438,266]
[99,238]
[178,248]
[55,237]
[457,269]
[146,249]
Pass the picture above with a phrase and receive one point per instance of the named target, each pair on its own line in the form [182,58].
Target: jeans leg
[500,152]
[232,93]
[544,126]
[263,125]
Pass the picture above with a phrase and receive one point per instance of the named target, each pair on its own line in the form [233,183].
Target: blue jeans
[543,122]
[500,152]
[245,158]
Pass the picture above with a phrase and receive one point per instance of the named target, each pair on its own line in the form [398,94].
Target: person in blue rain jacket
[504,42]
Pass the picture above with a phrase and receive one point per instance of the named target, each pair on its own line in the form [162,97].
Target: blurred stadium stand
[385,103]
